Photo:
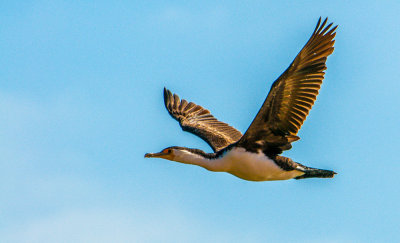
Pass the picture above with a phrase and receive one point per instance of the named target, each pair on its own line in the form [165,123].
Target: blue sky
[81,103]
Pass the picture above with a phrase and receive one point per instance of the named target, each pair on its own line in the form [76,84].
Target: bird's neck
[197,157]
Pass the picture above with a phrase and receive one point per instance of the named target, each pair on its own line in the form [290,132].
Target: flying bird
[255,156]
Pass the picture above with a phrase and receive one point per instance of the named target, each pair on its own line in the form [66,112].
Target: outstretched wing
[293,94]
[199,121]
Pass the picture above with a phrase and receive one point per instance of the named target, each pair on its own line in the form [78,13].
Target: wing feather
[199,121]
[293,94]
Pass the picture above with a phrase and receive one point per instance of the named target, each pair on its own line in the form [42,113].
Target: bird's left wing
[199,121]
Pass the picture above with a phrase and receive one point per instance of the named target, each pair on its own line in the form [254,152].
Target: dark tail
[311,172]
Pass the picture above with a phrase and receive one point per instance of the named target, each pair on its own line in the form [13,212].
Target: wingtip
[318,23]
[166,91]
[323,28]
[324,21]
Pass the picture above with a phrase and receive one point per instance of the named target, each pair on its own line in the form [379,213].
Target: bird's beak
[154,155]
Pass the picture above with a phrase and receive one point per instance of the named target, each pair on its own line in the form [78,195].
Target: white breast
[253,167]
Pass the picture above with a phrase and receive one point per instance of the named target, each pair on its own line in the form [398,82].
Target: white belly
[253,167]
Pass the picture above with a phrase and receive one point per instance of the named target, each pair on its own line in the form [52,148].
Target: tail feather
[312,173]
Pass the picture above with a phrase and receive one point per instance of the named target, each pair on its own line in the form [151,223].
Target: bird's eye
[167,151]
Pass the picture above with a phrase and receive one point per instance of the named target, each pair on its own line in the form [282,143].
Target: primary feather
[292,95]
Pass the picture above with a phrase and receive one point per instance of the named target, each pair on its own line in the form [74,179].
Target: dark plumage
[199,121]
[291,96]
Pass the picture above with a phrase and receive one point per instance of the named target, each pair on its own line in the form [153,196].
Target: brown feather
[199,121]
[293,94]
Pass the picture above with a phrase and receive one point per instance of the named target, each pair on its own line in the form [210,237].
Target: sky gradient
[81,103]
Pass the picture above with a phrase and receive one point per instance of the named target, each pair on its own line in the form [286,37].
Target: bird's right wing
[292,95]
[199,121]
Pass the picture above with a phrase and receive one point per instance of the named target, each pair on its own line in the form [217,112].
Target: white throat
[187,157]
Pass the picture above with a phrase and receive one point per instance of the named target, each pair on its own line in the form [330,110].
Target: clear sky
[81,103]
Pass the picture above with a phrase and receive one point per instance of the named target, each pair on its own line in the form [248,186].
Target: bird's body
[252,166]
[254,156]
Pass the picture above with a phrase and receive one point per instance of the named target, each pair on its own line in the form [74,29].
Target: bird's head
[167,153]
[186,156]
[179,154]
